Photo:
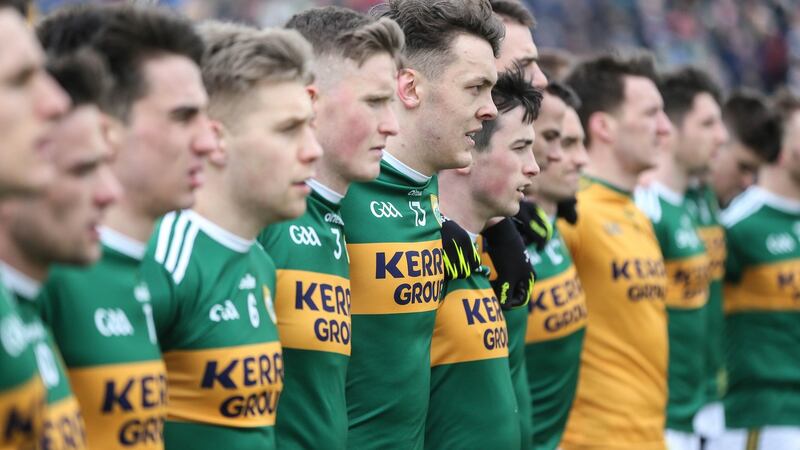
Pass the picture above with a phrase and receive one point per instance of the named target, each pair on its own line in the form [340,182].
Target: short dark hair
[751,122]
[513,89]
[556,63]
[679,89]
[430,27]
[600,82]
[84,77]
[21,6]
[127,36]
[786,104]
[71,27]
[565,93]
[337,31]
[514,10]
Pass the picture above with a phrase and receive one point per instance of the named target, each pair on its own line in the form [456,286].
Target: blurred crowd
[754,43]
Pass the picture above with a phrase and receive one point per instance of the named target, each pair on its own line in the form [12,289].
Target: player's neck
[13,256]
[548,206]
[672,176]
[456,203]
[410,152]
[778,181]
[223,210]
[124,218]
[607,168]
[330,179]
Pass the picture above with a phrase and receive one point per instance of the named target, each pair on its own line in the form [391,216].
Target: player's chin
[184,200]
[294,208]
[87,254]
[459,159]
[509,207]
[366,172]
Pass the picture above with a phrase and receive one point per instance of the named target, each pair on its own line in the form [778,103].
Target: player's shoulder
[745,209]
[658,201]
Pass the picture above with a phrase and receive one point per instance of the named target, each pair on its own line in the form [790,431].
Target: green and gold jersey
[702,204]
[516,323]
[556,324]
[621,399]
[102,320]
[470,375]
[688,271]
[312,303]
[63,425]
[212,301]
[762,303]
[396,278]
[22,392]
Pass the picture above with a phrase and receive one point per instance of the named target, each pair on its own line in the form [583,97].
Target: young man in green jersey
[102,317]
[762,325]
[470,374]
[30,102]
[355,63]
[60,226]
[394,233]
[211,283]
[754,137]
[754,140]
[691,101]
[617,257]
[557,311]
[505,248]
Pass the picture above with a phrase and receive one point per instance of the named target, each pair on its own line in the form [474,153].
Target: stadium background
[754,43]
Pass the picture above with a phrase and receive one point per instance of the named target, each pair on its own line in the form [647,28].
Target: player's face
[354,117]
[169,135]
[560,180]
[640,123]
[272,152]
[29,103]
[500,173]
[790,153]
[61,224]
[547,148]
[455,104]
[518,47]
[733,170]
[701,135]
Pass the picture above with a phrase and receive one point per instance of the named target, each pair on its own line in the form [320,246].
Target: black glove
[459,254]
[515,275]
[533,224]
[568,211]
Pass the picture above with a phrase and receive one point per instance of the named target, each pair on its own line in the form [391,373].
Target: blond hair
[239,58]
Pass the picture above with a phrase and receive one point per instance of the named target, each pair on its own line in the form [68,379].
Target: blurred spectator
[753,43]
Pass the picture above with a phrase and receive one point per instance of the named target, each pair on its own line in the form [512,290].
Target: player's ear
[111,128]
[602,126]
[219,156]
[409,87]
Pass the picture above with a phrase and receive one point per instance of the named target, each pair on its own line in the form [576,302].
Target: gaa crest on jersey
[12,335]
[612,228]
[435,207]
[268,302]
[141,292]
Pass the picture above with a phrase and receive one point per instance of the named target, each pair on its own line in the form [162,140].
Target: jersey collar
[404,169]
[673,197]
[325,192]
[776,201]
[221,235]
[19,283]
[121,243]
